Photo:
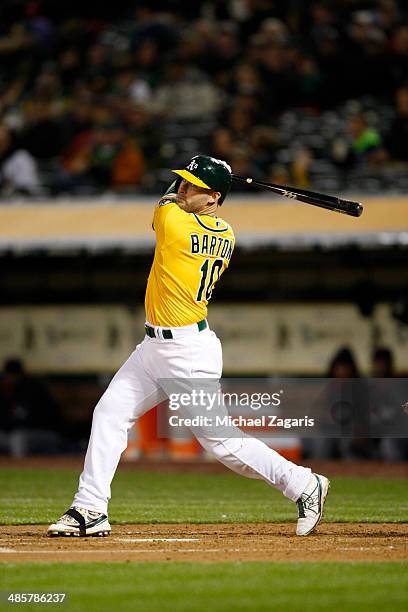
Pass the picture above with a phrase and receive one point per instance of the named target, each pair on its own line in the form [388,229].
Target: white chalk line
[366,547]
[156,539]
[114,551]
[130,540]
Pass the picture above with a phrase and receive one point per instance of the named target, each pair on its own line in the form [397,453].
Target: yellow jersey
[192,251]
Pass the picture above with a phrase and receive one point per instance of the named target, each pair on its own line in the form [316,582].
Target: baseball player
[193,248]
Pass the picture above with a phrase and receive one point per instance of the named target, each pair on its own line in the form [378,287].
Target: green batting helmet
[209,173]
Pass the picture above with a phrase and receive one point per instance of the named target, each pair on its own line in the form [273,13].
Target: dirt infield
[355,469]
[208,543]
[211,542]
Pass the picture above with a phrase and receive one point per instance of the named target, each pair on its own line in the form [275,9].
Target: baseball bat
[347,207]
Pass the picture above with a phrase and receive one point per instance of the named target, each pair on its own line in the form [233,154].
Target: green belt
[167,334]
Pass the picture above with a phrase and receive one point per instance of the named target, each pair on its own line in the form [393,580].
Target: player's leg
[130,394]
[241,453]
[250,457]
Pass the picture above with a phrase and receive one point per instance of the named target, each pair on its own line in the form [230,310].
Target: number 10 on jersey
[205,289]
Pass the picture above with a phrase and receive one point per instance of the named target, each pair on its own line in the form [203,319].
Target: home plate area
[225,542]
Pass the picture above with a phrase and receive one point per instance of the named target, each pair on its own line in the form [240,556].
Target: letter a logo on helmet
[209,173]
[192,166]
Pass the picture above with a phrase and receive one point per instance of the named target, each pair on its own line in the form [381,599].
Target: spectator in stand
[42,133]
[300,167]
[390,449]
[69,68]
[343,365]
[279,174]
[105,158]
[18,168]
[153,25]
[366,141]
[397,137]
[143,129]
[195,47]
[98,67]
[128,166]
[330,53]
[227,47]
[222,143]
[309,81]
[242,164]
[347,412]
[71,175]
[361,145]
[129,84]
[186,94]
[276,72]
[245,80]
[16,43]
[146,60]
[383,363]
[105,147]
[77,120]
[30,420]
[369,67]
[387,15]
[241,123]
[264,143]
[399,63]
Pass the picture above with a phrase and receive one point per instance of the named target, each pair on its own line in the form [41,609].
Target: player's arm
[173,188]
[166,202]
[169,195]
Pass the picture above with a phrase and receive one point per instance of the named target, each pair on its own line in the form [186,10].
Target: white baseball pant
[135,389]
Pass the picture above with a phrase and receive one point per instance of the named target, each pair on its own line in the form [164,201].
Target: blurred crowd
[32,420]
[290,91]
[360,408]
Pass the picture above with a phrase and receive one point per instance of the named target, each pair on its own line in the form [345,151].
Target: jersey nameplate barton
[211,245]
